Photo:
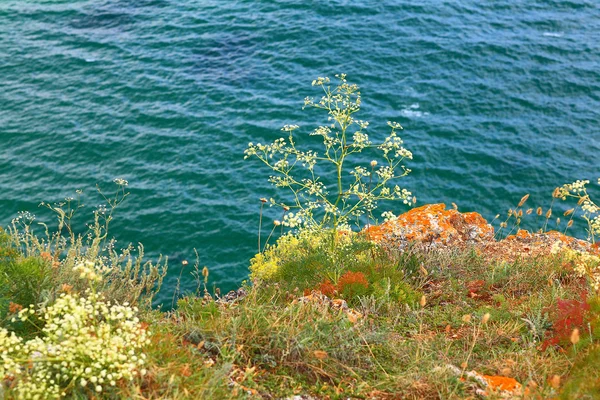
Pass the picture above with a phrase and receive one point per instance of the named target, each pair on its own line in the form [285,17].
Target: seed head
[523,200]
[373,164]
[575,336]
[556,193]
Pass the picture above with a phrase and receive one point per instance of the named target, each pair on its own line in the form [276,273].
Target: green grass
[273,346]
[273,343]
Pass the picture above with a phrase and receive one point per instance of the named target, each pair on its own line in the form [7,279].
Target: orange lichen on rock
[521,234]
[435,225]
[503,383]
[500,386]
[526,244]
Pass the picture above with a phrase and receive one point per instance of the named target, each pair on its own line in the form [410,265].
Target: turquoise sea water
[498,99]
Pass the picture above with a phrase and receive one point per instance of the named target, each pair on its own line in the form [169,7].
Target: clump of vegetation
[86,344]
[353,267]
[69,316]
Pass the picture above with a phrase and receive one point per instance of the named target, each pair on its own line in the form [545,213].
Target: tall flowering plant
[350,193]
[590,211]
[584,264]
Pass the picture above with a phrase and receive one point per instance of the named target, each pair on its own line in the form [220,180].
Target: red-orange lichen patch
[500,386]
[435,225]
[503,383]
[521,234]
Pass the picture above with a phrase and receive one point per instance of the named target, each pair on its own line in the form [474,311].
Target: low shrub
[86,345]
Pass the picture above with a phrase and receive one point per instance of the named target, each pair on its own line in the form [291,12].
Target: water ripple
[498,99]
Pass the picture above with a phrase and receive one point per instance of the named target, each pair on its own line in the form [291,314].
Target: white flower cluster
[595,224]
[404,195]
[587,265]
[267,150]
[589,207]
[391,143]
[394,125]
[404,153]
[280,181]
[360,140]
[360,172]
[314,187]
[591,211]
[308,159]
[24,217]
[385,172]
[362,124]
[87,341]
[556,247]
[388,216]
[331,209]
[328,140]
[289,128]
[10,344]
[121,182]
[320,81]
[87,270]
[577,186]
[291,220]
[281,165]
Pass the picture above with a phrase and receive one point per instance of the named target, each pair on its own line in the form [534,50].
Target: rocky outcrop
[434,226]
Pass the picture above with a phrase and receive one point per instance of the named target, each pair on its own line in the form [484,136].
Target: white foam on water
[412,111]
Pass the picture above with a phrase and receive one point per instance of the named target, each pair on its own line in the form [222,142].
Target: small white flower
[289,128]
[121,182]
